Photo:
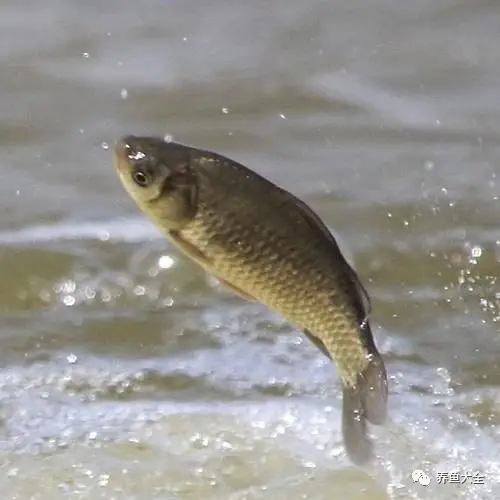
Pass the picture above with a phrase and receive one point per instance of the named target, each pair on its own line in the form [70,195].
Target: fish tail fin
[362,402]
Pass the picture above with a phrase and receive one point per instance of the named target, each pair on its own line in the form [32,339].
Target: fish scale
[263,265]
[266,245]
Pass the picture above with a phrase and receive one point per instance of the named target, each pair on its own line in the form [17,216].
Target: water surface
[125,372]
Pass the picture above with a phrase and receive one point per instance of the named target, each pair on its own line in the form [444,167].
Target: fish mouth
[121,153]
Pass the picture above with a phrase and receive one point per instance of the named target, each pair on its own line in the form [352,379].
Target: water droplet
[124,93]
[309,465]
[165,262]
[68,286]
[89,293]
[476,252]
[103,479]
[282,116]
[88,473]
[69,300]
[168,302]
[72,358]
[104,145]
[14,471]
[86,55]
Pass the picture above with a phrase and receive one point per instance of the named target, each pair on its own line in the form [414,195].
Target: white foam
[128,230]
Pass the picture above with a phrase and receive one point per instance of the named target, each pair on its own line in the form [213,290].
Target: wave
[128,230]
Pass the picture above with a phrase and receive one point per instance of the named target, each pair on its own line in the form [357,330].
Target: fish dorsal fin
[317,225]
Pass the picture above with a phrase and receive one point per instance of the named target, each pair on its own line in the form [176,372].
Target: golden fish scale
[267,244]
[270,253]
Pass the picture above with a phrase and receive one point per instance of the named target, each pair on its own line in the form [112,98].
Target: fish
[267,246]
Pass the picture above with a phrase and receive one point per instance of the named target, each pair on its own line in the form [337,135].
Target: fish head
[158,177]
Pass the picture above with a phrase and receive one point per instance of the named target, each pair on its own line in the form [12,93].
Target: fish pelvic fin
[365,401]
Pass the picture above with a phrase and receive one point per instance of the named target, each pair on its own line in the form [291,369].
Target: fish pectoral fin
[237,291]
[318,343]
[202,260]
[190,250]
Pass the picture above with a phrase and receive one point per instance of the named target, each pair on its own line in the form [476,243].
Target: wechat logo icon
[419,476]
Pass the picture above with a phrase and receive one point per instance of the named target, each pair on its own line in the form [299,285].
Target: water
[125,372]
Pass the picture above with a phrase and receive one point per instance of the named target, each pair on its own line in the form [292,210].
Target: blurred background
[127,374]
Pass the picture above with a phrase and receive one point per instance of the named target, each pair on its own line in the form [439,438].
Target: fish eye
[141,178]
